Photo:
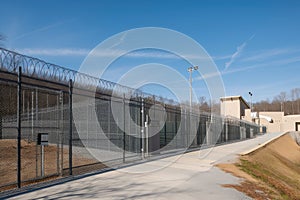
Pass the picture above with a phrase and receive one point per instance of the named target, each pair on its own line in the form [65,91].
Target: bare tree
[297,96]
[203,105]
[293,98]
[282,97]
[289,103]
[263,105]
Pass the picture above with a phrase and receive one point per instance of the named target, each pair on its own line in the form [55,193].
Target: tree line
[287,102]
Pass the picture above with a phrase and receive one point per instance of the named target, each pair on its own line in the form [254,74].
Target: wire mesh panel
[132,129]
[214,130]
[233,131]
[171,128]
[87,137]
[8,133]
[201,132]
[86,129]
[40,114]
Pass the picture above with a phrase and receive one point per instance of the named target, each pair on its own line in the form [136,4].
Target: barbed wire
[33,67]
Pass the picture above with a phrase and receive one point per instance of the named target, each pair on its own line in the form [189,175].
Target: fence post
[187,113]
[61,101]
[226,130]
[70,126]
[147,136]
[19,126]
[176,128]
[36,125]
[57,133]
[108,123]
[165,127]
[32,115]
[124,129]
[143,129]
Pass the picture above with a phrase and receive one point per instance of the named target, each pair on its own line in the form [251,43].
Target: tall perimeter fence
[87,126]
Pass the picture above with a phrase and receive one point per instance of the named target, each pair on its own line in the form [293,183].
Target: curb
[262,145]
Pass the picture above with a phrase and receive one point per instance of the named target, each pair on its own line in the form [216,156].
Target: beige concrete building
[236,106]
[233,106]
[274,121]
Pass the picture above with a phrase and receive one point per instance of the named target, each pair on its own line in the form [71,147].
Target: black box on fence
[42,139]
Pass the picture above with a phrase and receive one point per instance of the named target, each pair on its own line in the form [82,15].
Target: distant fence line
[38,99]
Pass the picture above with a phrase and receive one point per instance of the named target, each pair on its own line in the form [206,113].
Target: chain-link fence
[86,130]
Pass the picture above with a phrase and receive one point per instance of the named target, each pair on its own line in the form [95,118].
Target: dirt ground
[271,172]
[31,163]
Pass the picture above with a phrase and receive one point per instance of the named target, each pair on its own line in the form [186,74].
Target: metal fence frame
[28,73]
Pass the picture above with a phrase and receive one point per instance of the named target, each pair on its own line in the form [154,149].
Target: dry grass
[30,163]
[272,172]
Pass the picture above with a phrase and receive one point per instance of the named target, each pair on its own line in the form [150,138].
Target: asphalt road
[188,176]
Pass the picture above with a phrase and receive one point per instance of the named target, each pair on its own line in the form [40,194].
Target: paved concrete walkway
[188,176]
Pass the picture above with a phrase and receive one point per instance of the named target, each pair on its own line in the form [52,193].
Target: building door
[297,126]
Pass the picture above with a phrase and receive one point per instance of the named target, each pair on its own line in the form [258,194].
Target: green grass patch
[259,172]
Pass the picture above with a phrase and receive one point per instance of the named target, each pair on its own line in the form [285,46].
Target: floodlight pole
[70,127]
[252,118]
[19,112]
[250,93]
[190,70]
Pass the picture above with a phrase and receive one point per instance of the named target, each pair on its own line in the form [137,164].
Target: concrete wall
[281,123]
[277,125]
[247,115]
[231,107]
[237,107]
[243,107]
[289,122]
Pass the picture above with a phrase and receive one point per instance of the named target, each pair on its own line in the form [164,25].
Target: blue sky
[255,44]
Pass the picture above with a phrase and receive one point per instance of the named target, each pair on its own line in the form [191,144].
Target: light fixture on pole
[250,101]
[190,70]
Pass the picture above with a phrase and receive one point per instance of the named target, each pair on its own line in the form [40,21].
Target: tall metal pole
[32,115]
[36,125]
[190,70]
[57,133]
[42,161]
[124,129]
[191,88]
[70,126]
[19,126]
[147,136]
[252,118]
[250,101]
[61,97]
[143,129]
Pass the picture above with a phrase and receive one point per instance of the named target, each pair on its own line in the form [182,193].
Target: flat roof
[239,97]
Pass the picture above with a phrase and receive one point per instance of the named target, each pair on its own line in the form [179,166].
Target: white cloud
[274,63]
[41,29]
[236,54]
[268,53]
[110,53]
[54,52]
